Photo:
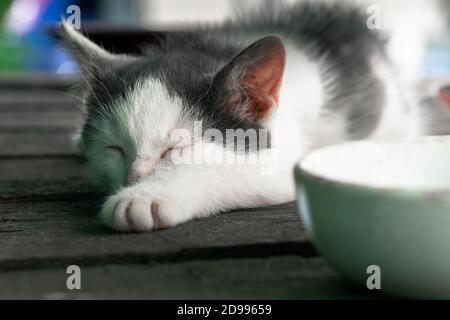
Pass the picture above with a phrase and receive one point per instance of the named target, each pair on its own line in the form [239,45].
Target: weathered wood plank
[37,81]
[22,100]
[32,143]
[42,190]
[285,277]
[40,122]
[37,123]
[39,110]
[43,179]
[36,235]
[49,169]
[45,119]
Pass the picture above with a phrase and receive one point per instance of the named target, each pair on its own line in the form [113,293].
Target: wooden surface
[48,222]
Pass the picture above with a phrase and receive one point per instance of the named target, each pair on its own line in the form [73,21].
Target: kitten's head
[134,104]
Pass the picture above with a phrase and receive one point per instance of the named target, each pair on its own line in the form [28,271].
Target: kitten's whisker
[127,85]
[204,94]
[91,89]
[98,80]
[83,101]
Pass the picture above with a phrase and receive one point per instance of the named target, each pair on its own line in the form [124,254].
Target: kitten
[296,78]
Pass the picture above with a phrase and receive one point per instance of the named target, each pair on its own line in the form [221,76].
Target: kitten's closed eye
[116,150]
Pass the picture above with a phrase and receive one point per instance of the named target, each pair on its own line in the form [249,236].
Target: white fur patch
[152,113]
[140,125]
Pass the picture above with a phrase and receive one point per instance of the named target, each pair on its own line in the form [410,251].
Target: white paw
[135,211]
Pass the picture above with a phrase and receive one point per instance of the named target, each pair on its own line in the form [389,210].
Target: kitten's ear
[249,85]
[91,58]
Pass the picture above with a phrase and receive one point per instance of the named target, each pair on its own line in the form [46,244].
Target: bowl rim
[437,192]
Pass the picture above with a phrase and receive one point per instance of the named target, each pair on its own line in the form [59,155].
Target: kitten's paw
[134,212]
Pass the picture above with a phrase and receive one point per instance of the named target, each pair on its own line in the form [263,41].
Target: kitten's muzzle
[138,170]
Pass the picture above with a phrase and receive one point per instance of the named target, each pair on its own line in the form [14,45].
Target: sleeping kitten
[296,78]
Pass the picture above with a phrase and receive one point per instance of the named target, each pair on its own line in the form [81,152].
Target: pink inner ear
[444,95]
[262,82]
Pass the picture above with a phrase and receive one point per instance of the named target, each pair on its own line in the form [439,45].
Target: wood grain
[286,277]
[44,234]
[48,221]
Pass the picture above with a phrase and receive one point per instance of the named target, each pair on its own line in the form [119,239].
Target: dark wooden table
[48,222]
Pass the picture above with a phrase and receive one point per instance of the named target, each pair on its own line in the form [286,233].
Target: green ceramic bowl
[384,204]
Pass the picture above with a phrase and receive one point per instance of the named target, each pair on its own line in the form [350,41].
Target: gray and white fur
[312,74]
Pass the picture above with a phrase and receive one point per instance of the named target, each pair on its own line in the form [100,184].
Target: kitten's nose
[139,169]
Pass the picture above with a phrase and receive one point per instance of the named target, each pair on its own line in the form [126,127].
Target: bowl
[379,212]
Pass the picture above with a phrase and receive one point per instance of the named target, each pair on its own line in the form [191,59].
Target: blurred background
[25,45]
